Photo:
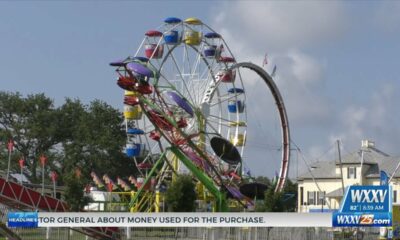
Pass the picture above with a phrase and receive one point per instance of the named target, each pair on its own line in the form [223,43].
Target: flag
[10,145]
[97,180]
[43,160]
[123,184]
[53,176]
[384,178]
[21,163]
[106,178]
[109,181]
[265,61]
[273,71]
[110,186]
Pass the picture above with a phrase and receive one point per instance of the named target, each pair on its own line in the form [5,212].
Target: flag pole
[8,167]
[21,166]
[43,160]
[10,147]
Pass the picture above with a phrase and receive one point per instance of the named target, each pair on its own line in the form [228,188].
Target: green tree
[73,135]
[263,180]
[74,194]
[32,123]
[181,194]
[284,201]
[290,196]
[96,139]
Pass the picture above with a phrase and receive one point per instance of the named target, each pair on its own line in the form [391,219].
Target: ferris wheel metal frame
[179,140]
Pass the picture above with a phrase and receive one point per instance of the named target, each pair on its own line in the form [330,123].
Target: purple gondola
[181,102]
[140,69]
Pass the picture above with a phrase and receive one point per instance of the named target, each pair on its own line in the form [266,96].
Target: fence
[200,234]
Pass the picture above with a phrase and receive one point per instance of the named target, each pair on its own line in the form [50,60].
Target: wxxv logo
[354,220]
[365,206]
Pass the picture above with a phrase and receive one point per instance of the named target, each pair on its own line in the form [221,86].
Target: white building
[321,188]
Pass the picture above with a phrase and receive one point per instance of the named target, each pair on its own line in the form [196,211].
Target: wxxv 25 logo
[365,206]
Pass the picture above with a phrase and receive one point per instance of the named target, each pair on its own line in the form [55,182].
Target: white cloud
[250,28]
[287,31]
[305,68]
[284,30]
[373,120]
[275,24]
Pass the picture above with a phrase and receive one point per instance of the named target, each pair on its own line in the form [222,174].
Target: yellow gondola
[238,140]
[193,21]
[131,93]
[238,124]
[132,112]
[192,37]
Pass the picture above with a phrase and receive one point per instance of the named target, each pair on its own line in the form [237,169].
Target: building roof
[321,170]
[372,157]
[388,165]
[336,193]
[366,155]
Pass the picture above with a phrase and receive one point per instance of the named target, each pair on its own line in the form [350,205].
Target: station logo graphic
[365,206]
[23,219]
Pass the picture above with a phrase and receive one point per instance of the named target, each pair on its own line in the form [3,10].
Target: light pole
[10,146]
[54,177]
[43,160]
[21,166]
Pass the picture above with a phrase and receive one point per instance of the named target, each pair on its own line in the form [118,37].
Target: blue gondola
[172,20]
[236,106]
[135,131]
[133,149]
[236,90]
[212,35]
[210,51]
[171,37]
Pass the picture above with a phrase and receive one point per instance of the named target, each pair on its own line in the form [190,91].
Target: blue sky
[338,62]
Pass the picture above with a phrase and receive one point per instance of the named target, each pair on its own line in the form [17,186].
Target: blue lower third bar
[23,219]
[383,219]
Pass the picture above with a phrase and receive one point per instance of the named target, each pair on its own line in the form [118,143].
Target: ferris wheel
[186,111]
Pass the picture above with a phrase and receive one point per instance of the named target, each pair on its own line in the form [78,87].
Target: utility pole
[341,166]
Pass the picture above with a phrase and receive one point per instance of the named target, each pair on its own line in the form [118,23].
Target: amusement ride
[185,112]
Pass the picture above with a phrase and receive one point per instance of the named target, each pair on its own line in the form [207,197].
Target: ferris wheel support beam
[204,179]
[284,169]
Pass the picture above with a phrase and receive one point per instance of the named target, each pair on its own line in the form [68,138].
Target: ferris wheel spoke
[187,60]
[181,76]
[226,124]
[225,98]
[199,56]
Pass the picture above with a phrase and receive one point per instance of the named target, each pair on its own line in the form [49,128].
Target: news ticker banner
[362,206]
[365,206]
[125,219]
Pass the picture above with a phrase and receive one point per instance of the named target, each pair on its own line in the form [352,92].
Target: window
[321,198]
[311,198]
[395,196]
[351,173]
[301,196]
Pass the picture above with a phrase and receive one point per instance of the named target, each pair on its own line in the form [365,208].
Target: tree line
[75,138]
